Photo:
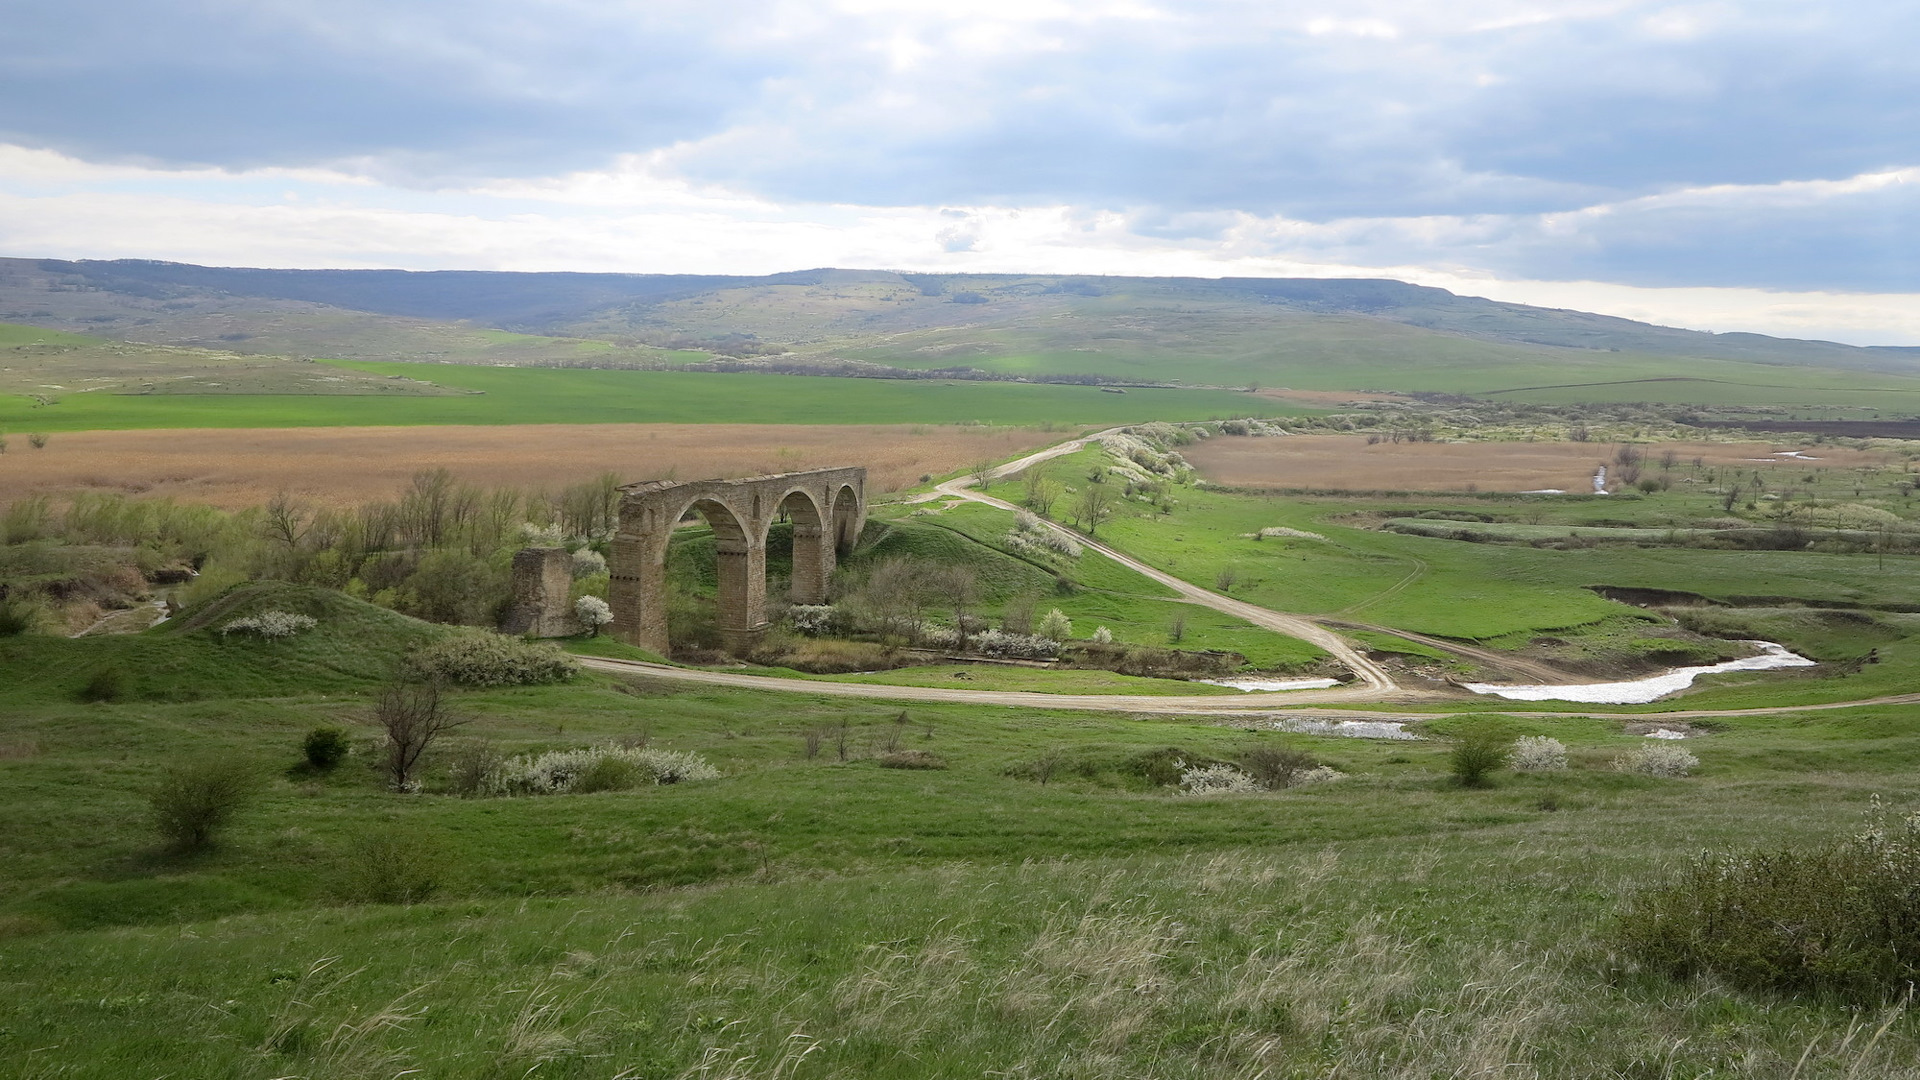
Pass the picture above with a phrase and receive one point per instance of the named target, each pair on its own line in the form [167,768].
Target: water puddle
[1642,691]
[1350,729]
[1254,685]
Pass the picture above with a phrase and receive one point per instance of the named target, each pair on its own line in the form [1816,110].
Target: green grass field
[811,917]
[545,396]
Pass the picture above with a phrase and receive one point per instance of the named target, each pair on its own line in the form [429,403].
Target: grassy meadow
[813,916]
[500,395]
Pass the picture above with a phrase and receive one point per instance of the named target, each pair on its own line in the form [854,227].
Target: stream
[1652,688]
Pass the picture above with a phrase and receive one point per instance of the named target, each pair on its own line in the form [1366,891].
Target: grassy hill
[1347,334]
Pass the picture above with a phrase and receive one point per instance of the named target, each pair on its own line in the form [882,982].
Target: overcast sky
[1740,165]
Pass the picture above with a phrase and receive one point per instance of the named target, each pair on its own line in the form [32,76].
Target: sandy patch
[234,468]
[1346,462]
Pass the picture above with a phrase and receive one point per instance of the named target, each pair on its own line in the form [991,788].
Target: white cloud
[630,219]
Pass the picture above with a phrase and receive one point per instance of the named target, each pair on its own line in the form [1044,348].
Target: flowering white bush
[1055,626]
[542,535]
[1319,774]
[1214,779]
[1031,537]
[1538,753]
[1656,759]
[480,658]
[1102,636]
[1016,646]
[560,771]
[813,619]
[592,612]
[588,563]
[271,625]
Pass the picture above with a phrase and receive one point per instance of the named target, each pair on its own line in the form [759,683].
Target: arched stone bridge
[828,508]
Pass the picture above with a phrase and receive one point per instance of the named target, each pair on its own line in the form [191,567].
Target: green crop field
[546,396]
[817,917]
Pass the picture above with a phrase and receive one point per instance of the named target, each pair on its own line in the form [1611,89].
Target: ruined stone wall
[542,580]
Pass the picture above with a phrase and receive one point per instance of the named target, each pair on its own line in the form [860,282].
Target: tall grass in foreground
[1228,965]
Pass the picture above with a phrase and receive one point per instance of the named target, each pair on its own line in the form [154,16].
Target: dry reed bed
[1347,462]
[234,468]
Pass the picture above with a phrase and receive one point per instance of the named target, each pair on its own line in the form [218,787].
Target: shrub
[1274,767]
[1056,626]
[1016,646]
[579,771]
[911,759]
[1102,636]
[106,684]
[588,563]
[473,764]
[814,619]
[1840,918]
[1478,749]
[193,801]
[326,747]
[478,658]
[1538,753]
[1214,780]
[592,613]
[1657,759]
[391,867]
[270,625]
[16,617]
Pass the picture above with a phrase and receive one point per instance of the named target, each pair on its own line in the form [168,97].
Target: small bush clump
[1016,646]
[1841,918]
[1657,759]
[482,659]
[326,747]
[911,759]
[1538,753]
[1215,780]
[596,768]
[194,801]
[1478,750]
[391,867]
[815,619]
[1275,767]
[270,625]
[104,685]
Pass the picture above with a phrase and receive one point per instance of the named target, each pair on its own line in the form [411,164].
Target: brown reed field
[237,468]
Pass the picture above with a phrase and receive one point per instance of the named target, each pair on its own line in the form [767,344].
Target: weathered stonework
[828,508]
[542,579]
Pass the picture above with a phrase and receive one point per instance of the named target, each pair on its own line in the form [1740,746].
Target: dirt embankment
[343,466]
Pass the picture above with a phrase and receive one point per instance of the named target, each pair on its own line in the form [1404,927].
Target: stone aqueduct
[828,508]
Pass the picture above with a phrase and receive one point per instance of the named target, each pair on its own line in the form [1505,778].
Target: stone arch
[740,512]
[813,551]
[849,517]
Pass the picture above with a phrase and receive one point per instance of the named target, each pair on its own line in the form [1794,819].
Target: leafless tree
[1729,497]
[1627,460]
[1177,629]
[1040,490]
[1225,579]
[958,587]
[414,714]
[285,520]
[1094,506]
[896,595]
[983,471]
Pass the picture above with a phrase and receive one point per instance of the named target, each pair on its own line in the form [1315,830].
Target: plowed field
[1347,463]
[345,465]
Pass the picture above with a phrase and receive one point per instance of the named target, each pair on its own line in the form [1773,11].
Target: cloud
[1726,144]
